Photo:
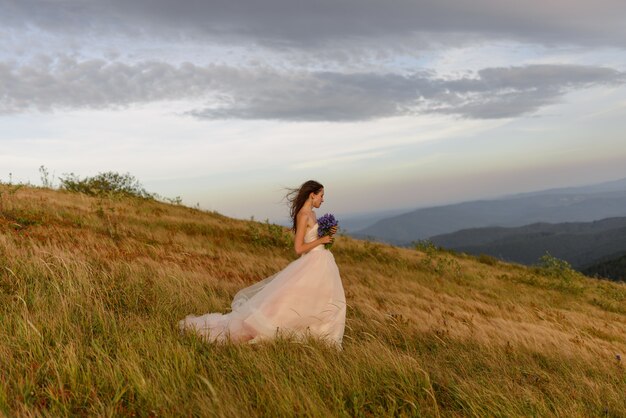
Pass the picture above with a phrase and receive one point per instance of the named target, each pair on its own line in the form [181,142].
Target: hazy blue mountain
[579,243]
[575,204]
[609,186]
[349,222]
[355,222]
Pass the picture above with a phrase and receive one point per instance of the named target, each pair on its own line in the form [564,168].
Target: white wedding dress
[305,298]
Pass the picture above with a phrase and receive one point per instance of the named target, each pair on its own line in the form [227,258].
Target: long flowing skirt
[305,298]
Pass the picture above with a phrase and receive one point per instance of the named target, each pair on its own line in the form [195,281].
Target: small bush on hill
[487,259]
[425,246]
[552,266]
[105,184]
[567,277]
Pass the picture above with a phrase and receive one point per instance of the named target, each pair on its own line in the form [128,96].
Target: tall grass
[91,290]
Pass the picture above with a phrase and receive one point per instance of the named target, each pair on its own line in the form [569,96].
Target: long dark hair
[297,198]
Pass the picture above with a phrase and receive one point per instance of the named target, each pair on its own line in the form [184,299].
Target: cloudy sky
[395,104]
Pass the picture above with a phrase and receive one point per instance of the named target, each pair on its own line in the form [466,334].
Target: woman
[305,298]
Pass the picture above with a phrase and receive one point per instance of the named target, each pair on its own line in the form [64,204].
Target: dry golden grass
[91,290]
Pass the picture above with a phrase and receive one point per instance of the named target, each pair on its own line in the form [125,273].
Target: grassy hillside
[91,290]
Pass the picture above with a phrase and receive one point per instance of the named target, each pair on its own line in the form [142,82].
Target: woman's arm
[299,245]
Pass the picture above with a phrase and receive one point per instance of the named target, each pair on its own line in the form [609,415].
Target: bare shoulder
[306,217]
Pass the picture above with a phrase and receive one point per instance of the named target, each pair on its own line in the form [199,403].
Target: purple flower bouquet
[325,223]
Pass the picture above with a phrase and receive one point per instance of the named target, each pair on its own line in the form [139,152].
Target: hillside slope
[91,290]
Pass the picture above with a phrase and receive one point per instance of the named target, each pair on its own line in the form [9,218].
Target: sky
[391,105]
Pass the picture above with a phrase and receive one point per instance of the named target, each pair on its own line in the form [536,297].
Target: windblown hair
[297,198]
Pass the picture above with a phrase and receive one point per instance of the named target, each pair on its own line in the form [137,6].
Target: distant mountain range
[355,222]
[613,268]
[572,204]
[581,243]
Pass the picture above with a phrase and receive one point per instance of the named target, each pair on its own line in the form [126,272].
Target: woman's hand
[327,239]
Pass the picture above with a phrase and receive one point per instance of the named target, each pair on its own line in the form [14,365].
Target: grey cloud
[288,23]
[493,93]
[515,91]
[321,96]
[65,83]
[262,93]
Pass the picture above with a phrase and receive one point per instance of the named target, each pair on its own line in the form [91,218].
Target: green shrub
[567,279]
[105,184]
[487,259]
[425,246]
[552,266]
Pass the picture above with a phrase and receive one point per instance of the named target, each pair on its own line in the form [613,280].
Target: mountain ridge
[579,243]
[556,205]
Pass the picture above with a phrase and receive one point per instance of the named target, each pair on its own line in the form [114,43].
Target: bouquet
[325,224]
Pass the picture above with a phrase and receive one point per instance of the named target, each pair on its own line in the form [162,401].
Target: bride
[305,298]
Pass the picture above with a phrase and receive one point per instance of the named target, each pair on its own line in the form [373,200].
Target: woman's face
[318,198]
